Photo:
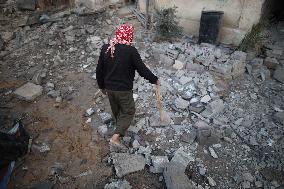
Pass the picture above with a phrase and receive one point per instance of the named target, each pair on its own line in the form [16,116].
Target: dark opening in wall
[273,10]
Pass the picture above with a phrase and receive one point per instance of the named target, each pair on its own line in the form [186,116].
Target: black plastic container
[210,24]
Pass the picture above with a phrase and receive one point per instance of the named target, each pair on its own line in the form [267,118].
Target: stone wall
[239,17]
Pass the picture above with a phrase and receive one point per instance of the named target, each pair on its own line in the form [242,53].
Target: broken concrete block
[125,163]
[120,184]
[29,91]
[175,177]
[178,65]
[159,163]
[279,74]
[181,103]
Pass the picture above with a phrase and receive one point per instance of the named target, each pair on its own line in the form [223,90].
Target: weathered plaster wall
[239,15]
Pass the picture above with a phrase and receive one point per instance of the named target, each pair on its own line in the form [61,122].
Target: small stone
[205,99]
[246,184]
[90,111]
[159,163]
[227,139]
[50,85]
[271,63]
[89,120]
[211,181]
[181,103]
[202,171]
[102,130]
[258,184]
[135,144]
[248,177]
[178,65]
[138,126]
[58,99]
[29,91]
[213,153]
[53,93]
[188,137]
[120,184]
[161,178]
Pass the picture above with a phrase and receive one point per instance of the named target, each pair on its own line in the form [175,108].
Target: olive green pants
[123,109]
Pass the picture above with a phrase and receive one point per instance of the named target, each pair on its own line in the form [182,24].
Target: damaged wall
[91,4]
[239,15]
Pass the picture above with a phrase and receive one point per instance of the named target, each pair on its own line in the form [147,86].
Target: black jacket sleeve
[141,67]
[100,70]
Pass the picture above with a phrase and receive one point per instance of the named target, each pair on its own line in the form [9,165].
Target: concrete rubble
[225,108]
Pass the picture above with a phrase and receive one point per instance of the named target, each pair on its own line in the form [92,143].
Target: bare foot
[115,139]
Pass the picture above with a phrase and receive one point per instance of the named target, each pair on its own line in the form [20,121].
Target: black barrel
[210,24]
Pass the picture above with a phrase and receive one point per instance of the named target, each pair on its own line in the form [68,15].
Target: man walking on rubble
[115,74]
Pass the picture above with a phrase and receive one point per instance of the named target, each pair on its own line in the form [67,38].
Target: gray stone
[138,126]
[166,60]
[178,65]
[212,152]
[215,107]
[239,55]
[181,103]
[183,157]
[279,74]
[196,109]
[29,91]
[205,99]
[175,177]
[53,93]
[248,177]
[58,99]
[159,163]
[125,163]
[279,117]
[26,4]
[188,137]
[246,184]
[202,171]
[120,184]
[103,130]
[258,184]
[211,181]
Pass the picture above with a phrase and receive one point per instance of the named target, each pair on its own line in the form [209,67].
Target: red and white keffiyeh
[123,35]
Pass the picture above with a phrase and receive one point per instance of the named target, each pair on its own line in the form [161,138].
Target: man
[115,75]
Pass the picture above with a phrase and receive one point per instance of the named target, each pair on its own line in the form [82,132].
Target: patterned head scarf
[123,35]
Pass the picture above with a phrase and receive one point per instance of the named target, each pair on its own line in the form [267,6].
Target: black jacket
[118,73]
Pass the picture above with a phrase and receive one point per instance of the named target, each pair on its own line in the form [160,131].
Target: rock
[26,4]
[50,85]
[271,63]
[183,157]
[90,111]
[279,74]
[166,60]
[205,99]
[29,91]
[184,80]
[188,137]
[106,117]
[58,99]
[239,55]
[196,109]
[103,130]
[248,177]
[279,117]
[181,103]
[246,184]
[138,126]
[135,144]
[211,181]
[178,65]
[258,184]
[202,171]
[43,185]
[175,177]
[215,107]
[159,163]
[213,153]
[120,184]
[125,163]
[53,93]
